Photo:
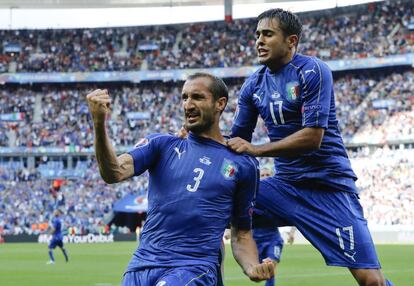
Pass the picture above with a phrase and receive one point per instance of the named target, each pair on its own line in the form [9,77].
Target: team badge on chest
[292,91]
[228,169]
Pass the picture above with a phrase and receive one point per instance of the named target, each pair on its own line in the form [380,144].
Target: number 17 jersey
[196,187]
[298,95]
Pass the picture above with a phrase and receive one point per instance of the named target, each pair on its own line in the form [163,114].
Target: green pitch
[103,265]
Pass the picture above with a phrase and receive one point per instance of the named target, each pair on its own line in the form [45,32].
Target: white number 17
[279,111]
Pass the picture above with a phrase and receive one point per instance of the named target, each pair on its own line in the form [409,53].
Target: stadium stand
[338,35]
[46,132]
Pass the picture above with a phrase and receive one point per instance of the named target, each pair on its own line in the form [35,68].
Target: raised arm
[113,169]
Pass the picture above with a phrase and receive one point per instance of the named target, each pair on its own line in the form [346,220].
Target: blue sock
[388,282]
[270,282]
[51,255]
[65,254]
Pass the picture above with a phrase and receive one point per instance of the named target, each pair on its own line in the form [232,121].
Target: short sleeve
[145,154]
[246,116]
[245,194]
[317,94]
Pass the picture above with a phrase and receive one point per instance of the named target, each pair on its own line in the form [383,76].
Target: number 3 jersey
[197,186]
[298,95]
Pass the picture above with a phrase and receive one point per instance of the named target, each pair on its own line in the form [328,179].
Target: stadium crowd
[386,182]
[334,34]
[28,201]
[370,110]
[87,201]
[25,212]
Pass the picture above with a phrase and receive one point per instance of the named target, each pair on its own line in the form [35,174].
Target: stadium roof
[41,4]
[45,14]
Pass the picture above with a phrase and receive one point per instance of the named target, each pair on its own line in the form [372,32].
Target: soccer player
[314,185]
[57,238]
[196,187]
[268,240]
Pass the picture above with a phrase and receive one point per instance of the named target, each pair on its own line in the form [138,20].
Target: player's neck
[214,134]
[276,66]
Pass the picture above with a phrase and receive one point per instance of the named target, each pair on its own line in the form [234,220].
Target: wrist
[248,269]
[98,122]
[257,150]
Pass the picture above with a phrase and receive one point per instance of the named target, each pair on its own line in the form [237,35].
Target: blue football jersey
[268,234]
[299,95]
[197,186]
[57,225]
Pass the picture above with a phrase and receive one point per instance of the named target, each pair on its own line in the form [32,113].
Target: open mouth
[262,52]
[192,117]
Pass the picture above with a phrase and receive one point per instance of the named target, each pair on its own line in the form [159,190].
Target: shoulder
[254,78]
[246,161]
[310,71]
[250,161]
[308,63]
[157,138]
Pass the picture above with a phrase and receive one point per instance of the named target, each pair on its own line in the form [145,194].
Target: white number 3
[197,179]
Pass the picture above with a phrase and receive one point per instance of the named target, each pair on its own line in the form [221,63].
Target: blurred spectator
[370,108]
[339,34]
[386,181]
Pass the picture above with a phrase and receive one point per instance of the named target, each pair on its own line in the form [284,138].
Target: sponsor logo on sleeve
[311,108]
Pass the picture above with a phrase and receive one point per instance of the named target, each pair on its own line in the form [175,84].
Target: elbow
[314,139]
[311,144]
[110,179]
[315,144]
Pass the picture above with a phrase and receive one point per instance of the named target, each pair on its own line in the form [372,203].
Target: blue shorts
[269,243]
[333,221]
[172,276]
[55,242]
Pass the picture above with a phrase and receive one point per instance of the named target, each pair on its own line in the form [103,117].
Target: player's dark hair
[217,87]
[289,22]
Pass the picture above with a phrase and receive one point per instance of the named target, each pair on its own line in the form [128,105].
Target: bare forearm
[244,250]
[105,155]
[303,141]
[113,169]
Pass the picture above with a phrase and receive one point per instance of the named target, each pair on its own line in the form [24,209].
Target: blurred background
[52,53]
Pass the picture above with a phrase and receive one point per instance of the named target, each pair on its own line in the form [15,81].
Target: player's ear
[221,104]
[292,41]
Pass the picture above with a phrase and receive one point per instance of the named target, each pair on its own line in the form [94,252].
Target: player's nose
[259,41]
[189,104]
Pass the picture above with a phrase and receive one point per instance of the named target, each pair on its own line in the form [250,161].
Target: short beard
[201,127]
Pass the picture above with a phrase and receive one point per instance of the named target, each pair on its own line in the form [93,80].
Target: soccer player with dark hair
[197,186]
[269,240]
[57,238]
[314,185]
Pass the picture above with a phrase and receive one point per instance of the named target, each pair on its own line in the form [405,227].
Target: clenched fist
[99,104]
[262,271]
